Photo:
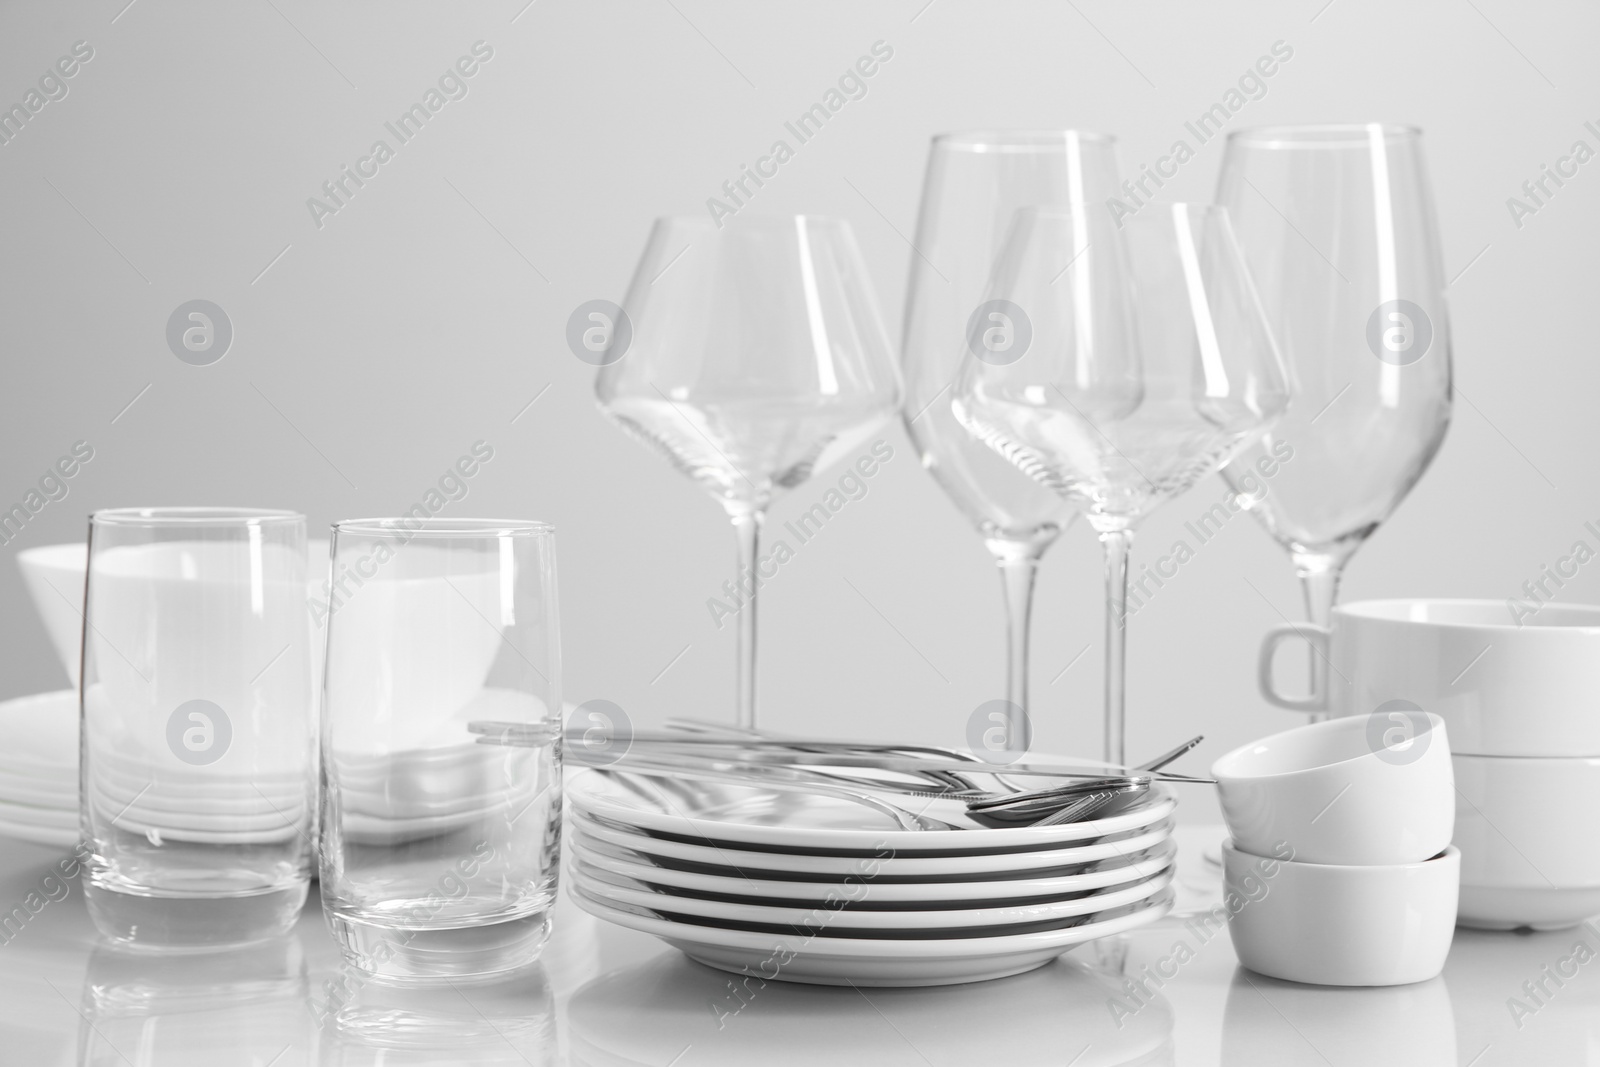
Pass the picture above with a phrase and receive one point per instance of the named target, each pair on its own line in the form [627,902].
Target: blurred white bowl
[1525,827]
[54,576]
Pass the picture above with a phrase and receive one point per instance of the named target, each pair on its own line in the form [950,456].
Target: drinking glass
[1337,224]
[198,733]
[974,184]
[439,854]
[1148,364]
[757,358]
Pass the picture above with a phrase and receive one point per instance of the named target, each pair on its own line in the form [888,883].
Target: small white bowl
[54,575]
[1529,852]
[1326,924]
[1345,791]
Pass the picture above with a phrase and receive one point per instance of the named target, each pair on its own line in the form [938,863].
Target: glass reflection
[448,1023]
[246,1006]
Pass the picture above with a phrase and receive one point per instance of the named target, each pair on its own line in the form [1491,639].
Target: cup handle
[1317,636]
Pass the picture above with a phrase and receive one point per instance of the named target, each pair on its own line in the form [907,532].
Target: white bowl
[54,576]
[1530,854]
[1331,792]
[1327,924]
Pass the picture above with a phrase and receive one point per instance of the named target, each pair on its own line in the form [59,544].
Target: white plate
[39,835]
[32,815]
[885,865]
[637,865]
[38,792]
[873,962]
[751,815]
[365,829]
[41,733]
[621,891]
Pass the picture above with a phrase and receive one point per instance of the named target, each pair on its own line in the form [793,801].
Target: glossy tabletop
[1172,993]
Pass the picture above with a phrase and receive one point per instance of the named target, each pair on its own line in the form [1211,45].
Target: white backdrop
[376,344]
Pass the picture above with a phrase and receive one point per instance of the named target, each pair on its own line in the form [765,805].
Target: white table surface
[604,995]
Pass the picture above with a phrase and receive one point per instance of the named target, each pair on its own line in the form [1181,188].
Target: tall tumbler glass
[438,853]
[198,759]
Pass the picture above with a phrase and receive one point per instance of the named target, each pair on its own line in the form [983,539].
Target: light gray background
[428,313]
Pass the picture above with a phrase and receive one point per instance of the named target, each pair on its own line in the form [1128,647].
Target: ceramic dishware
[1525,830]
[1338,924]
[740,816]
[1003,889]
[54,576]
[1364,790]
[803,956]
[1507,680]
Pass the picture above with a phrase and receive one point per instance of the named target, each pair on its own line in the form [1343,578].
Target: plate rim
[1164,862]
[954,864]
[932,919]
[584,790]
[874,949]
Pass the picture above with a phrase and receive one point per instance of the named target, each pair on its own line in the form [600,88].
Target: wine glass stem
[747,527]
[1019,566]
[1117,544]
[1319,580]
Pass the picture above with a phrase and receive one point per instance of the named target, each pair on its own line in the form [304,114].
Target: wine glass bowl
[1337,223]
[1148,367]
[757,356]
[1149,363]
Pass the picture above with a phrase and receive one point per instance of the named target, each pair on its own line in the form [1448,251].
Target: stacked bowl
[1340,870]
[805,888]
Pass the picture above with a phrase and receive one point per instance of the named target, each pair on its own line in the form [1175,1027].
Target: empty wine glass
[1149,364]
[757,357]
[1337,223]
[974,184]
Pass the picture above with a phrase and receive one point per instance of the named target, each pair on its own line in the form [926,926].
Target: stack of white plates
[39,769]
[812,889]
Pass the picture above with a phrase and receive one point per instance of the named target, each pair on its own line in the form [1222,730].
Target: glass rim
[990,140]
[460,529]
[1335,135]
[757,219]
[195,516]
[1165,211]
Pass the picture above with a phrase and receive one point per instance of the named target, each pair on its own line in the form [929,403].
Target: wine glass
[1149,364]
[1337,223]
[974,184]
[757,357]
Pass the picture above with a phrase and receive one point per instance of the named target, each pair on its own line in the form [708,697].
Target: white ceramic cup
[1341,925]
[1530,854]
[1362,790]
[1506,682]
